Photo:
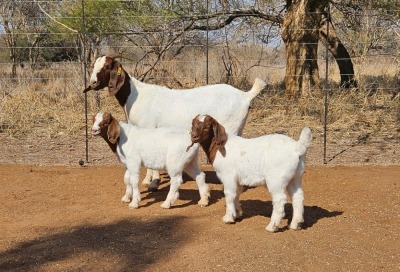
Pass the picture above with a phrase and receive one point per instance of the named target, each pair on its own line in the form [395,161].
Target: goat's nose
[194,134]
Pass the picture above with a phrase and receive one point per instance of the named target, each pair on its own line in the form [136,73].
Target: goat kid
[152,106]
[155,148]
[276,161]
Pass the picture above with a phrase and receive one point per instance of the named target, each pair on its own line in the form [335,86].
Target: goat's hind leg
[155,181]
[296,193]
[152,180]
[239,211]
[279,200]
[147,179]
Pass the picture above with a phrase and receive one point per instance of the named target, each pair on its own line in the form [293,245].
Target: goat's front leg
[134,180]
[173,194]
[230,191]
[128,188]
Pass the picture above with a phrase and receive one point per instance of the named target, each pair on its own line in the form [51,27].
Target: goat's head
[106,126]
[207,129]
[107,72]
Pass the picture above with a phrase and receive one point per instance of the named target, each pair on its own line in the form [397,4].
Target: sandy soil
[64,218]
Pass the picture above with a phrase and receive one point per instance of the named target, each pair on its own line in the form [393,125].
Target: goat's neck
[124,92]
[111,145]
[210,147]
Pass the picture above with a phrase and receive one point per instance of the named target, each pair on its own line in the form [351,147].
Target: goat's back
[156,147]
[176,108]
[259,160]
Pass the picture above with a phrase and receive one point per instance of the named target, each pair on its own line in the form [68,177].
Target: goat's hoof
[166,205]
[126,199]
[203,202]
[271,228]
[133,205]
[153,186]
[295,226]
[146,182]
[239,214]
[228,219]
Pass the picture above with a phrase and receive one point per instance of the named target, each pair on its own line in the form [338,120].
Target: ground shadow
[126,243]
[312,214]
[159,196]
[190,195]
[211,177]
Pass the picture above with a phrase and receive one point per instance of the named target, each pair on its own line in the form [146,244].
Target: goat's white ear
[113,131]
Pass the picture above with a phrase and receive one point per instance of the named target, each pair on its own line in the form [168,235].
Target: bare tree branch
[53,19]
[278,19]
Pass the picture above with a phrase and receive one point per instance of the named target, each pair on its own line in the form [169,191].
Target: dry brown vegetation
[49,104]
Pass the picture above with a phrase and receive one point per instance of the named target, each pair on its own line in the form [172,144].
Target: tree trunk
[300,33]
[340,54]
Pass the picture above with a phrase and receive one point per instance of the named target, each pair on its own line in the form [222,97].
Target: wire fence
[41,83]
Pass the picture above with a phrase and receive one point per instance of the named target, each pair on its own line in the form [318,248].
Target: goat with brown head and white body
[155,148]
[152,106]
[276,161]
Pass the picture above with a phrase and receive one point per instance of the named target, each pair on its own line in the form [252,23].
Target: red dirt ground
[62,218]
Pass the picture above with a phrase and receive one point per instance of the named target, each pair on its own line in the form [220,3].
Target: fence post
[207,47]
[83,31]
[326,88]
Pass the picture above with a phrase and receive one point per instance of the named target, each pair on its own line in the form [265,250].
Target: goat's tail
[304,141]
[258,86]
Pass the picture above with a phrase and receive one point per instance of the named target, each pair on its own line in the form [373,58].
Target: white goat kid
[276,161]
[155,148]
[152,106]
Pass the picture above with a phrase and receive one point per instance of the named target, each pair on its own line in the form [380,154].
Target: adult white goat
[155,148]
[152,106]
[276,161]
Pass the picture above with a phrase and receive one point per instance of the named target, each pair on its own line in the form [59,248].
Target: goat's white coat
[157,149]
[276,161]
[152,106]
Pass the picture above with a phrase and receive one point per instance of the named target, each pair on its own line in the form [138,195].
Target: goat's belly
[154,164]
[252,181]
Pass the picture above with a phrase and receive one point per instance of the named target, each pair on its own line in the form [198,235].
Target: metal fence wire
[47,48]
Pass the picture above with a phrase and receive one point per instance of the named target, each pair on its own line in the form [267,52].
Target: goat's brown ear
[113,130]
[220,135]
[117,77]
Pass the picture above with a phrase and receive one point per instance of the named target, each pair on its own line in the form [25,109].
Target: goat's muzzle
[94,86]
[96,132]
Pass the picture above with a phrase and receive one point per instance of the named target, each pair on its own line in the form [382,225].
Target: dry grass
[50,103]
